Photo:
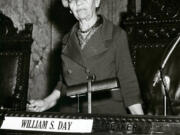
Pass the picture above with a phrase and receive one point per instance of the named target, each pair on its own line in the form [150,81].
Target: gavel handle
[89,90]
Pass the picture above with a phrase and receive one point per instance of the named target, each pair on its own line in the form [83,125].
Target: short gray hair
[65,3]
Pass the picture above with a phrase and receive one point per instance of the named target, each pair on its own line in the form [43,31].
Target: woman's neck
[86,24]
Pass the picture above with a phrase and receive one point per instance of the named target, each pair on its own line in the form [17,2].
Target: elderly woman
[95,46]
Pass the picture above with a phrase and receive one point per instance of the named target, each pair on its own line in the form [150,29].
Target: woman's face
[83,9]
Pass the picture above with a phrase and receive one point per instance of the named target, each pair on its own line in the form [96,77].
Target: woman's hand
[38,106]
[45,104]
[136,109]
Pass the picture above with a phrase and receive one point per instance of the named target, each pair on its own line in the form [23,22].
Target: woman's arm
[126,75]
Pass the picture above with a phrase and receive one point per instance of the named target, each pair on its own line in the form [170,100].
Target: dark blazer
[106,55]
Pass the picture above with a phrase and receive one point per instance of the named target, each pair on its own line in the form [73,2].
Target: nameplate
[48,124]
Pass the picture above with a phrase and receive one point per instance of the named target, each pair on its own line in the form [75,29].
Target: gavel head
[91,77]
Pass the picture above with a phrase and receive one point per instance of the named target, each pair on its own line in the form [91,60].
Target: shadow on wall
[61,20]
[60,17]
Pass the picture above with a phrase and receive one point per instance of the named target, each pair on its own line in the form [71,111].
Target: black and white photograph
[89,67]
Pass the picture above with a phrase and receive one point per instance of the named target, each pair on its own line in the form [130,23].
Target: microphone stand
[89,91]
[165,93]
[163,81]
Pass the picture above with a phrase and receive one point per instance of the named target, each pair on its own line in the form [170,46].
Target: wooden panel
[112,9]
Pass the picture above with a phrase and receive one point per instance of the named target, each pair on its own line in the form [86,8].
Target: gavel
[96,86]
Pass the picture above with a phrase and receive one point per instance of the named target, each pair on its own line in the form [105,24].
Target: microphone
[96,86]
[157,76]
